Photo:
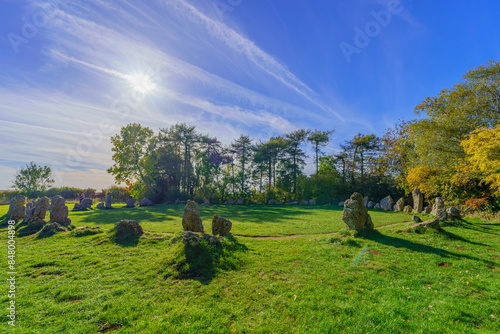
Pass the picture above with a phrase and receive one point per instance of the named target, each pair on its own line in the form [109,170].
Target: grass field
[294,270]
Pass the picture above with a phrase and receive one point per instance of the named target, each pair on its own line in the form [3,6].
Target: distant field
[307,277]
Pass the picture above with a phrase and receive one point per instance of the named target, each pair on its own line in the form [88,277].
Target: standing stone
[221,226]
[356,215]
[400,205]
[59,211]
[280,203]
[341,203]
[86,203]
[130,203]
[231,201]
[416,219]
[240,201]
[370,205]
[303,203]
[453,213]
[17,210]
[108,202]
[191,220]
[146,202]
[377,206]
[408,209]
[294,203]
[427,209]
[437,207]
[38,210]
[312,202]
[365,200]
[206,202]
[387,203]
[271,202]
[418,200]
[100,206]
[178,201]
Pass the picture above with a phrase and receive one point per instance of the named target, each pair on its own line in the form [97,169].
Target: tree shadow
[105,217]
[204,261]
[482,227]
[383,239]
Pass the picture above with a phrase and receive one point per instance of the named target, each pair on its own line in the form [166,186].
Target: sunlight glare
[142,82]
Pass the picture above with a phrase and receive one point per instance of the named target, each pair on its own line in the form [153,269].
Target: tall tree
[33,179]
[319,139]
[242,147]
[295,154]
[132,154]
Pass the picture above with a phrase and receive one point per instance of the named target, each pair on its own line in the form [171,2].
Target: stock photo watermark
[31,24]
[11,273]
[363,36]
[223,6]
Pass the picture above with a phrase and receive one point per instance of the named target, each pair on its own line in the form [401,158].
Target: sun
[142,83]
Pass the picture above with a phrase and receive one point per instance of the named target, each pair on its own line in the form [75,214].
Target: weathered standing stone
[271,202]
[453,213]
[303,202]
[280,203]
[407,209]
[86,203]
[387,203]
[433,223]
[108,202]
[231,201]
[38,210]
[59,211]
[437,206]
[416,219]
[221,226]
[294,203]
[312,202]
[427,210]
[17,210]
[130,203]
[178,201]
[418,200]
[100,206]
[206,202]
[355,214]
[365,200]
[240,201]
[191,220]
[146,202]
[377,206]
[193,239]
[400,205]
[341,203]
[370,205]
[128,228]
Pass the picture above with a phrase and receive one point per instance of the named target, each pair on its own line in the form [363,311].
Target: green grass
[287,270]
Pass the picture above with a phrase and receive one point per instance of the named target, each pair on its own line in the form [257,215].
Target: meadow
[292,269]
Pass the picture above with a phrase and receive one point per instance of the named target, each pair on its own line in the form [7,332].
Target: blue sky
[73,72]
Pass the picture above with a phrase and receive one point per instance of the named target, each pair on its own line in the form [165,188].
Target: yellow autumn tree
[483,152]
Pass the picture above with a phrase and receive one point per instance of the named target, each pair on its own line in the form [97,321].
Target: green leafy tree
[133,156]
[33,179]
[242,147]
[319,139]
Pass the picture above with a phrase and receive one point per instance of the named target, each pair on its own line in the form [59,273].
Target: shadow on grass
[127,241]
[203,261]
[111,216]
[479,226]
[378,237]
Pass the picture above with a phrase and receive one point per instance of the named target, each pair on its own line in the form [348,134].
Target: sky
[73,72]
